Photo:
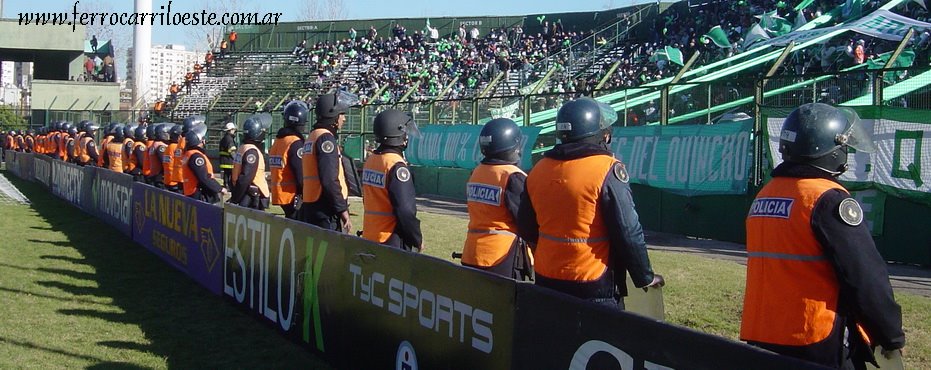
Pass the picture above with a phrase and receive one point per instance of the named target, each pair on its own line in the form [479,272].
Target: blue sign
[112,195]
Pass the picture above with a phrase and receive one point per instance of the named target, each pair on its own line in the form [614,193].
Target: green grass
[76,293]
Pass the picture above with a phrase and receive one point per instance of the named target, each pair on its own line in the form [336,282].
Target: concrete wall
[44,37]
[65,95]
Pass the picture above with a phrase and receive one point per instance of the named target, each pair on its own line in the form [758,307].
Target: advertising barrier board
[111,199]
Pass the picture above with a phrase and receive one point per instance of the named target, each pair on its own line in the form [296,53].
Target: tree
[9,119]
[206,37]
[323,10]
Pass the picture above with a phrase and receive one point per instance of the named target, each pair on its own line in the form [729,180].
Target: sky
[354,9]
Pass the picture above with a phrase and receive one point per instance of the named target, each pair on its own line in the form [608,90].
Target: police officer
[197,171]
[114,147]
[250,189]
[138,153]
[168,160]
[579,213]
[53,140]
[157,155]
[89,154]
[227,150]
[71,144]
[325,191]
[129,161]
[104,160]
[284,158]
[20,142]
[30,141]
[147,151]
[63,136]
[493,194]
[187,125]
[387,187]
[815,281]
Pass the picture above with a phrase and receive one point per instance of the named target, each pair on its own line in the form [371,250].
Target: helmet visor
[412,129]
[856,136]
[608,115]
[264,120]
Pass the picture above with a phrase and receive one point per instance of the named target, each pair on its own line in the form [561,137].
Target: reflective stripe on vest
[379,221]
[191,184]
[177,174]
[492,229]
[311,169]
[283,185]
[85,157]
[62,146]
[792,290]
[573,243]
[259,179]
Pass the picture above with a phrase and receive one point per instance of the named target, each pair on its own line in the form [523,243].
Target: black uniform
[326,210]
[140,154]
[208,189]
[628,248]
[403,197]
[244,193]
[227,149]
[158,180]
[866,296]
[91,150]
[69,148]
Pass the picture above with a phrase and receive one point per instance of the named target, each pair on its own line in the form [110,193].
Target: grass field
[77,293]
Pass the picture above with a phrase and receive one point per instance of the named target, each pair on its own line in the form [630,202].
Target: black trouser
[256,202]
[515,265]
[228,178]
[314,217]
[289,211]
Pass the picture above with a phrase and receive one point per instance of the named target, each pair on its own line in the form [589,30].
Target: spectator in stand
[188,81]
[94,44]
[233,37]
[197,70]
[173,90]
[223,46]
[88,69]
[208,61]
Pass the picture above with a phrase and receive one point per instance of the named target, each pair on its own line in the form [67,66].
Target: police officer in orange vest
[187,125]
[129,141]
[284,158]
[197,171]
[157,154]
[104,160]
[579,213]
[817,288]
[89,154]
[138,153]
[325,200]
[388,187]
[30,141]
[53,139]
[493,193]
[147,149]
[250,189]
[114,149]
[71,144]
[168,160]
[63,136]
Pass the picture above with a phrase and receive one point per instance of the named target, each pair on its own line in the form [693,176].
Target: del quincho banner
[688,160]
[458,146]
[186,233]
[336,294]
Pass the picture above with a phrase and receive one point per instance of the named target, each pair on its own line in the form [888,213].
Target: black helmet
[393,126]
[80,126]
[295,114]
[150,131]
[582,118]
[56,126]
[195,137]
[499,136]
[332,105]
[129,131]
[30,132]
[65,126]
[160,132]
[110,128]
[117,132]
[818,134]
[174,133]
[140,132]
[90,128]
[256,127]
[191,122]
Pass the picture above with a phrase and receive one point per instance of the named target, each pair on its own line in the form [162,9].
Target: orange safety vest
[176,157]
[145,158]
[190,181]
[62,147]
[129,162]
[168,161]
[115,155]
[30,143]
[37,147]
[69,154]
[283,184]
[233,36]
[573,244]
[8,142]
[16,142]
[792,289]
[379,220]
[53,143]
[155,159]
[259,179]
[103,149]
[311,171]
[492,228]
[81,151]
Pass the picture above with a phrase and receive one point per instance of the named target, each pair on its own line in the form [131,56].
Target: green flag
[718,36]
[775,24]
[852,9]
[800,21]
[905,60]
[803,4]
[675,55]
[755,35]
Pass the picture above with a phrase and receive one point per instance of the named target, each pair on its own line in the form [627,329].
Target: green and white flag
[675,55]
[800,21]
[755,35]
[905,60]
[775,24]
[803,4]
[852,9]
[718,36]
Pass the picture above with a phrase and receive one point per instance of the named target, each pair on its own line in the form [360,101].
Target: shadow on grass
[46,296]
[183,323]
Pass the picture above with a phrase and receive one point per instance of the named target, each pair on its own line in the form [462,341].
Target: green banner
[457,146]
[689,160]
